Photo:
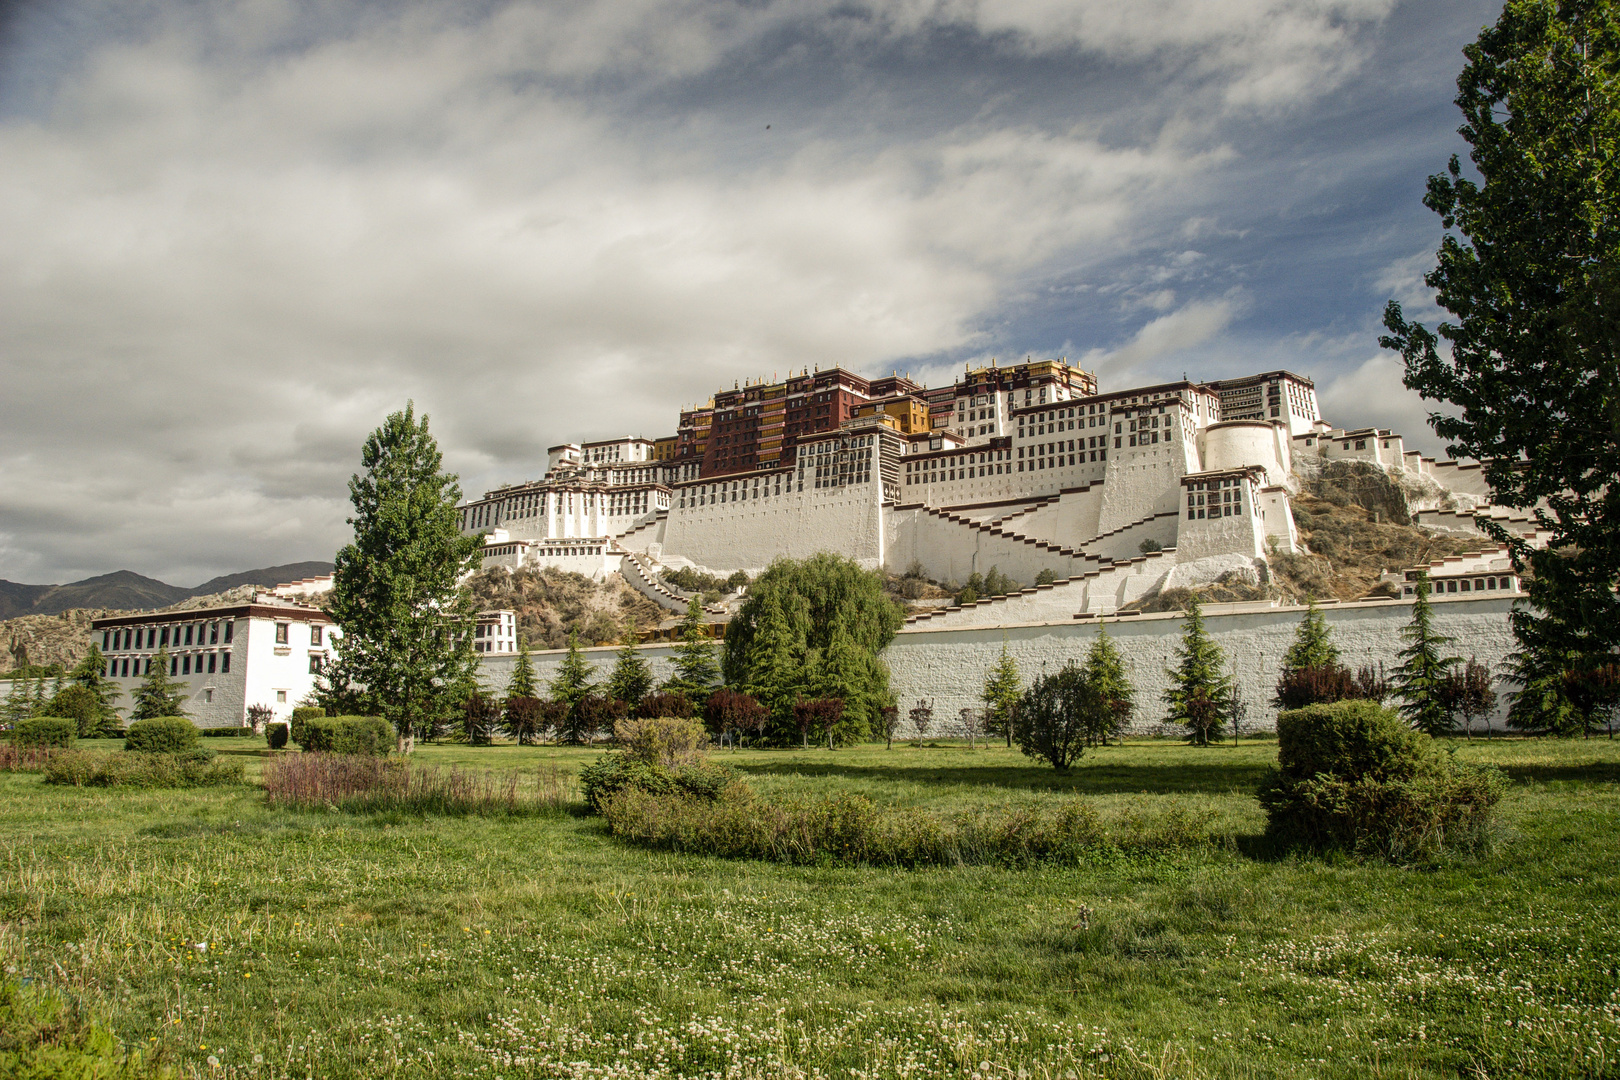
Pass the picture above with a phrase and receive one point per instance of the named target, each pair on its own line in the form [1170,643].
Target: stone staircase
[1090,545]
[638,571]
[1099,592]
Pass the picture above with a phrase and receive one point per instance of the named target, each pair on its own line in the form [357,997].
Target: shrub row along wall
[949,666]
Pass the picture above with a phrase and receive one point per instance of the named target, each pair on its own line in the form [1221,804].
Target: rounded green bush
[276,735]
[44,731]
[1352,775]
[161,735]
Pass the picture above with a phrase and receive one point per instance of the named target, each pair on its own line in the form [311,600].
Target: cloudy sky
[234,234]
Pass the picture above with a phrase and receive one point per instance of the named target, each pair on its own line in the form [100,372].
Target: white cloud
[1265,54]
[236,236]
[1402,280]
[1372,395]
[1189,326]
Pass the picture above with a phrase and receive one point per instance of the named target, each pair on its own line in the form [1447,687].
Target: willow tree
[820,624]
[406,649]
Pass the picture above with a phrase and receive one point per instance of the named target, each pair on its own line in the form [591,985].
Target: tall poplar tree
[1529,269]
[1200,693]
[407,643]
[1421,680]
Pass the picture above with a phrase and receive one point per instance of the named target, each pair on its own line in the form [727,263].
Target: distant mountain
[126,590]
[270,575]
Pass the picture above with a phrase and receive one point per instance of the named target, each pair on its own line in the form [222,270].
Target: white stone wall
[751,533]
[1144,481]
[949,666]
[495,672]
[952,550]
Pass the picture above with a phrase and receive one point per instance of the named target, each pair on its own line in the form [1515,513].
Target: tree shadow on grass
[1086,778]
[1590,772]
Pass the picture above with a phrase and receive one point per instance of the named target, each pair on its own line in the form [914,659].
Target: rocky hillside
[47,639]
[550,603]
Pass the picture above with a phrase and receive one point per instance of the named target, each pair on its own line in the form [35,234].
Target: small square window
[281,697]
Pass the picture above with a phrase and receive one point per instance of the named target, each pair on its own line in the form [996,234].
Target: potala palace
[1027,468]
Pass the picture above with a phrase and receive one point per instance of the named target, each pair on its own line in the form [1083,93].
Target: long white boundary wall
[949,666]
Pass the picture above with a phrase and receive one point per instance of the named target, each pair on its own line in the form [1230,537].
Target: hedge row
[161,735]
[81,768]
[39,732]
[369,735]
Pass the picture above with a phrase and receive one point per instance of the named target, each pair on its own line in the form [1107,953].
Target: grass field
[232,939]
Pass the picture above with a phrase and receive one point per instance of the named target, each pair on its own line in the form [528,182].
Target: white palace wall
[949,666]
[750,534]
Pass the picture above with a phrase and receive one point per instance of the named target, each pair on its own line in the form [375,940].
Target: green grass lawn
[204,924]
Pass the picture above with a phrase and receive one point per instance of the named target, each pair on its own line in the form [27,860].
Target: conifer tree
[570,687]
[38,701]
[774,670]
[522,683]
[631,679]
[1422,679]
[845,673]
[1105,673]
[1200,693]
[1002,689]
[158,694]
[1313,642]
[696,670]
[89,673]
[407,624]
[17,706]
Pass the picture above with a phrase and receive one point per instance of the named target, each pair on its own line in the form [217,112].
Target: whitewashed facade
[227,658]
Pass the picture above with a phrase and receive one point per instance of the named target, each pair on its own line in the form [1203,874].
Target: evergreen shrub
[198,768]
[43,731]
[1353,776]
[226,732]
[615,773]
[300,716]
[668,741]
[851,830]
[275,734]
[80,704]
[161,735]
[371,736]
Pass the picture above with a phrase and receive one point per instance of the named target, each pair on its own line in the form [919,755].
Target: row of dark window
[135,667]
[159,637]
